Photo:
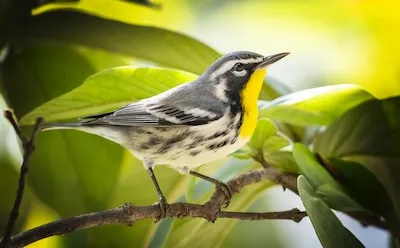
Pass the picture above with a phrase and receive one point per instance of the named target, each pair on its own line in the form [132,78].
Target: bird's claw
[227,190]
[164,206]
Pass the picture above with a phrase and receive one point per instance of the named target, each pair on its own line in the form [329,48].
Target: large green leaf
[108,90]
[362,184]
[150,43]
[38,73]
[368,134]
[319,106]
[328,227]
[71,172]
[324,184]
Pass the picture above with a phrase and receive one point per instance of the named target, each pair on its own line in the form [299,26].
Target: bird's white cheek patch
[240,73]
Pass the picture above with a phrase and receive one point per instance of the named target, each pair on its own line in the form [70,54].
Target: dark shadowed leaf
[330,230]
[71,172]
[149,43]
[368,134]
[366,188]
[43,72]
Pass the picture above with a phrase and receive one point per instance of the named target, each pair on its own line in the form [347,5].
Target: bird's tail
[65,125]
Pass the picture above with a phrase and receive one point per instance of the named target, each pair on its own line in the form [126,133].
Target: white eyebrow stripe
[229,64]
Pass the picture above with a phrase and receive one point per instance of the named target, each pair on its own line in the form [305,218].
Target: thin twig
[29,147]
[294,214]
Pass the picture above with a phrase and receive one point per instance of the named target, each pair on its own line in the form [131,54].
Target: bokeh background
[331,42]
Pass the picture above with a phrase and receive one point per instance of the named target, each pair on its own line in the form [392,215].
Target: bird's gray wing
[182,107]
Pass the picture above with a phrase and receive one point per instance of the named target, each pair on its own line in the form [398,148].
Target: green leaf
[318,106]
[108,90]
[366,188]
[328,227]
[283,160]
[310,167]
[325,185]
[275,143]
[43,72]
[265,129]
[71,172]
[244,153]
[149,43]
[368,134]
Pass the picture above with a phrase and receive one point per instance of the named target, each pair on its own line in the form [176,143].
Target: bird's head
[233,71]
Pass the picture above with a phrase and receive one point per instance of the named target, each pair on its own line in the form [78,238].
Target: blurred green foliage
[56,62]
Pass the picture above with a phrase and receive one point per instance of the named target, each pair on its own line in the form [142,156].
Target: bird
[191,124]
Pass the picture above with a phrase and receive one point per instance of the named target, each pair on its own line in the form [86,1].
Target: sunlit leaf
[275,143]
[319,106]
[158,45]
[108,90]
[283,160]
[328,227]
[265,129]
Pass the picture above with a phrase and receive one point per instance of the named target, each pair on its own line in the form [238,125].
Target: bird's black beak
[270,60]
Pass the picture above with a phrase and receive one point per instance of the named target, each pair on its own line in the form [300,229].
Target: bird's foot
[226,189]
[164,206]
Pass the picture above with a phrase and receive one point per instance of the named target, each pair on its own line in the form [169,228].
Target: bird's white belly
[201,144]
[186,161]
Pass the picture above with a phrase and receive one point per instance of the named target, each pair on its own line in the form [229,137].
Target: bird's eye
[238,67]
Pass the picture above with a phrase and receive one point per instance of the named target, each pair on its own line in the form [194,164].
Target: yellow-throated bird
[191,124]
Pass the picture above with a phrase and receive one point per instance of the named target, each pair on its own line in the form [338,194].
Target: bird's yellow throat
[249,102]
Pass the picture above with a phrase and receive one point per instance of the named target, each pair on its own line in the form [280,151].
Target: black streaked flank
[155,140]
[169,143]
[194,153]
[212,146]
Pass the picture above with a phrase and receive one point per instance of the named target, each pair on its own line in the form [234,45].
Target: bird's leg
[225,187]
[162,201]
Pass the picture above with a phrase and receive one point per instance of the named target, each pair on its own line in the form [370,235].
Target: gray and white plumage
[184,127]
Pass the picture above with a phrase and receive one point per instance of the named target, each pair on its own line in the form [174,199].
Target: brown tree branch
[287,180]
[29,147]
[128,213]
